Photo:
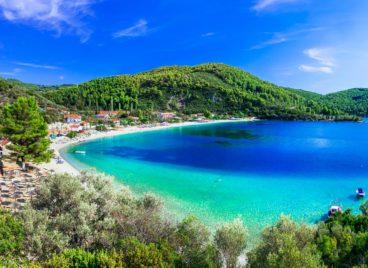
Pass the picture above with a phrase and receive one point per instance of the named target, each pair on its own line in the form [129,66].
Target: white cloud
[40,66]
[61,16]
[208,34]
[261,5]
[315,69]
[138,29]
[14,72]
[282,37]
[278,38]
[323,56]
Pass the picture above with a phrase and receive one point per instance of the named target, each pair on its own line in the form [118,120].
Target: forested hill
[13,89]
[214,88]
[209,88]
[351,101]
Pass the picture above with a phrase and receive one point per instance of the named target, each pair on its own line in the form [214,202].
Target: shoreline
[62,143]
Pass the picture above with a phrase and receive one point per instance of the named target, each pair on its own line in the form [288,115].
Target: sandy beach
[60,143]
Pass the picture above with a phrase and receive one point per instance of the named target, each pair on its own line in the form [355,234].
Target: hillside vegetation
[351,101]
[208,88]
[10,90]
[214,88]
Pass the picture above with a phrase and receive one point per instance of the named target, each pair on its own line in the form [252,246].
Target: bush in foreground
[286,244]
[230,241]
[11,234]
[84,222]
[83,219]
[343,240]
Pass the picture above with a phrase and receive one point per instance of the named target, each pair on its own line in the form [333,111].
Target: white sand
[63,142]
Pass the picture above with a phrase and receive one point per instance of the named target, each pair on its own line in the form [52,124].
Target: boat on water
[333,210]
[80,152]
[360,193]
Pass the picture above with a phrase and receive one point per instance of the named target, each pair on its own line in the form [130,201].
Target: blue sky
[309,44]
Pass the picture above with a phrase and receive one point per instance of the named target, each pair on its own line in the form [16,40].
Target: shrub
[230,241]
[193,242]
[84,259]
[70,212]
[86,212]
[286,244]
[101,128]
[72,134]
[343,240]
[137,254]
[11,234]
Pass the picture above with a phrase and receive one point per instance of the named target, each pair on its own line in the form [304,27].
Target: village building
[85,125]
[166,115]
[73,118]
[106,115]
[58,128]
[75,127]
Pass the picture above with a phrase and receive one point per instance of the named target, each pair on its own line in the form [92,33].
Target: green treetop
[26,129]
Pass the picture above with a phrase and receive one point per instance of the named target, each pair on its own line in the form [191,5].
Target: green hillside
[12,89]
[351,101]
[209,88]
[215,88]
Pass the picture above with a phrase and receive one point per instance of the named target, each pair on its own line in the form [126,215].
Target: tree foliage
[86,213]
[230,242]
[343,240]
[351,101]
[193,241]
[11,234]
[83,222]
[11,90]
[286,244]
[208,88]
[26,129]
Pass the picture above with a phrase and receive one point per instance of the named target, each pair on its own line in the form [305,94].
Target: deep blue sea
[254,170]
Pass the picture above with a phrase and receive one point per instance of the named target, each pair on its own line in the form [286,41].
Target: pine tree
[26,129]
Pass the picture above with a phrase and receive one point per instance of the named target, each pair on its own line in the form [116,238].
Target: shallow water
[255,170]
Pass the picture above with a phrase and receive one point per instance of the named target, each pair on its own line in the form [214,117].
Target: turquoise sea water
[255,170]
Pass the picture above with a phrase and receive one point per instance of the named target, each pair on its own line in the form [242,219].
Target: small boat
[333,210]
[80,152]
[360,193]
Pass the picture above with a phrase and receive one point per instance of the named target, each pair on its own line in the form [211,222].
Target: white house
[73,118]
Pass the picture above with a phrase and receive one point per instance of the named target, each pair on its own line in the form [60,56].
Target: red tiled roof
[73,116]
[108,112]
